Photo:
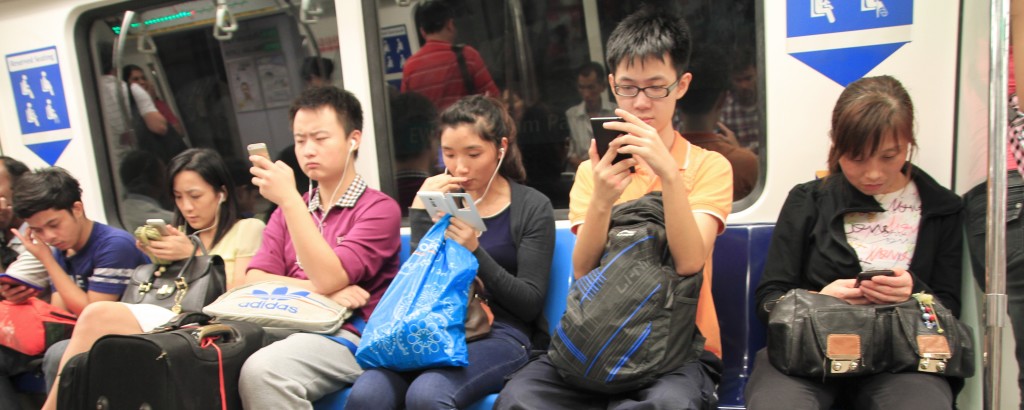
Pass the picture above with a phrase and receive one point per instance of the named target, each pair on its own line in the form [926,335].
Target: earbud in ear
[222,198]
[501,153]
[354,147]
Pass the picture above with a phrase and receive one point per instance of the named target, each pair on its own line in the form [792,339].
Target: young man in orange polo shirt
[648,54]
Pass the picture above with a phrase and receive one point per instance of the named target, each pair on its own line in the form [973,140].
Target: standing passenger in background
[117,127]
[413,126]
[133,74]
[699,110]
[205,207]
[316,71]
[976,201]
[875,210]
[145,188]
[591,83]
[341,240]
[436,70]
[741,113]
[478,139]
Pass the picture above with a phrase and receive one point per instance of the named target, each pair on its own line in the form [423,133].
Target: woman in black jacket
[874,211]
[482,159]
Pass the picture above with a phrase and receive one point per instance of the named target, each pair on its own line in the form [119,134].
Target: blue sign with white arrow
[845,39]
[40,102]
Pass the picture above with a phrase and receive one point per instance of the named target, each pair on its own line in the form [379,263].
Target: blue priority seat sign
[845,39]
[40,102]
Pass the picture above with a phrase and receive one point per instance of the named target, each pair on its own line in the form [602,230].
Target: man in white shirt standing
[591,83]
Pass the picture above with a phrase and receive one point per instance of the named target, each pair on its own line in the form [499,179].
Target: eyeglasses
[654,91]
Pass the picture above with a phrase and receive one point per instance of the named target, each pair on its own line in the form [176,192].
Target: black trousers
[771,389]
[975,201]
[539,386]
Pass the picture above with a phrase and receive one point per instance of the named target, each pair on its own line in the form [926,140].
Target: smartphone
[458,205]
[433,202]
[868,274]
[260,149]
[463,207]
[604,136]
[160,226]
[11,280]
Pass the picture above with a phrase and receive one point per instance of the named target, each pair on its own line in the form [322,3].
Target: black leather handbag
[183,286]
[819,336]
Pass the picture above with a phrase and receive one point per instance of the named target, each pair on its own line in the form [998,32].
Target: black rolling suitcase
[192,367]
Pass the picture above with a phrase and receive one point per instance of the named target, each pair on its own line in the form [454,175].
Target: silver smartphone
[260,149]
[458,205]
[159,225]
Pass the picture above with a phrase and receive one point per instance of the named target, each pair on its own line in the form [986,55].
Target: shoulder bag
[275,304]
[183,286]
[815,335]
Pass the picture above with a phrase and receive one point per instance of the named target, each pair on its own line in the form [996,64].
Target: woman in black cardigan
[874,211]
[482,159]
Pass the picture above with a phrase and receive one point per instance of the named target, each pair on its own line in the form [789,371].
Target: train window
[229,87]
[546,59]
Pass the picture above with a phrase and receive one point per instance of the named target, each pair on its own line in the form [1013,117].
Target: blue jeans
[491,359]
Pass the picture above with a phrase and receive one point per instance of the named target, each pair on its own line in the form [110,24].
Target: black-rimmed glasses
[654,91]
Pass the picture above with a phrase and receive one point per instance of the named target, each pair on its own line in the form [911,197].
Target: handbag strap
[198,243]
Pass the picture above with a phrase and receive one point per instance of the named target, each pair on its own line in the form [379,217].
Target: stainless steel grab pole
[995,244]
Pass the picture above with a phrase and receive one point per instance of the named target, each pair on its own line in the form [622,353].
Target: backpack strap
[467,80]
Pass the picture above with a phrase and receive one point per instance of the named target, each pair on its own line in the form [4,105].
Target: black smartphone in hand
[603,137]
[868,274]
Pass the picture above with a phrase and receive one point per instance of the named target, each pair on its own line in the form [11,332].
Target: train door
[200,74]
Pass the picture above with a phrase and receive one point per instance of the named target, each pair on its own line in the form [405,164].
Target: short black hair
[140,170]
[14,168]
[432,15]
[126,71]
[47,188]
[711,79]
[591,67]
[413,124]
[311,66]
[345,105]
[649,33]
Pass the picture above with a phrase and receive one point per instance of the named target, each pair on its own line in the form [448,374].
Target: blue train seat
[738,262]
[554,305]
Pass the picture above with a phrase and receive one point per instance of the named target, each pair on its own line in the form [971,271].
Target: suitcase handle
[213,330]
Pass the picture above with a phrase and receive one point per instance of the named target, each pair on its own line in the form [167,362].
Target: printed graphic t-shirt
[886,240]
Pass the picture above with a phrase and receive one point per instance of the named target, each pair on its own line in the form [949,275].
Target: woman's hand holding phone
[443,183]
[173,247]
[884,289]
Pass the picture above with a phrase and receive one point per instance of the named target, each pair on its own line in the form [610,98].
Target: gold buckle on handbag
[145,287]
[843,352]
[182,290]
[935,353]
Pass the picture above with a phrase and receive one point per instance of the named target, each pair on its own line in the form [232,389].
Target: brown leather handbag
[478,314]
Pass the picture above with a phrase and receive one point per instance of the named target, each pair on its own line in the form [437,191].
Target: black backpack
[632,319]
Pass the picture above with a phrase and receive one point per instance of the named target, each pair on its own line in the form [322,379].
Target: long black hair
[211,167]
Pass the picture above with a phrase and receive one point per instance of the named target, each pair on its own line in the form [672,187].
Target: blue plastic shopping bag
[420,321]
